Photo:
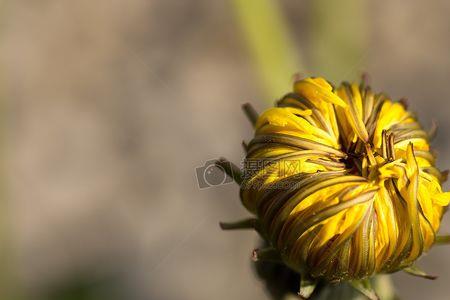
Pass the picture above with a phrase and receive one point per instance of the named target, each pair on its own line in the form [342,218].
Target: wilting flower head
[345,185]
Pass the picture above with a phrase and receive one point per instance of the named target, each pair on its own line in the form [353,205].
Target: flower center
[365,160]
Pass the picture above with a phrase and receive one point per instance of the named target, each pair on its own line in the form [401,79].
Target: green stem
[384,287]
[270,44]
[381,284]
[338,38]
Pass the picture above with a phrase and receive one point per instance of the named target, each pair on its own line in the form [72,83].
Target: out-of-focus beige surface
[110,106]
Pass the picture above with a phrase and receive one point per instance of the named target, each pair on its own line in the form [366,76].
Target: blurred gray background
[107,108]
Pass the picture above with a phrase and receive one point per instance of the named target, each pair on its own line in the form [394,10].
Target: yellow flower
[345,185]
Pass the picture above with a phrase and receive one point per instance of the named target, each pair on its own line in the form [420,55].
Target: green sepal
[245,146]
[230,169]
[415,271]
[365,287]
[250,223]
[307,286]
[442,240]
[251,113]
[266,254]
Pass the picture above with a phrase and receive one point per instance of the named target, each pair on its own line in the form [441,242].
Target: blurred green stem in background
[270,44]
[381,284]
[338,38]
[384,287]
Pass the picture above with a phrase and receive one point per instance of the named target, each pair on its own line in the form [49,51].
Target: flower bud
[342,182]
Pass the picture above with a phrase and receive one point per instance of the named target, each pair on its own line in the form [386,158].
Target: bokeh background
[108,106]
